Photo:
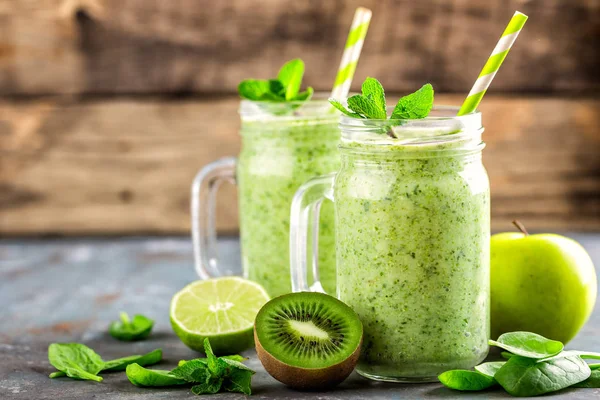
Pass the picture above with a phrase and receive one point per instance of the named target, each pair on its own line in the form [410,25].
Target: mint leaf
[143,377]
[290,76]
[75,360]
[254,89]
[276,91]
[127,330]
[195,371]
[120,364]
[415,105]
[372,89]
[211,386]
[366,107]
[343,109]
[240,381]
[306,95]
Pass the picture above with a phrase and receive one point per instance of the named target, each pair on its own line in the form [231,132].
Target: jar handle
[306,206]
[204,235]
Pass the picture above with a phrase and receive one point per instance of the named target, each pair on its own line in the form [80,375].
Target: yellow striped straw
[493,63]
[354,44]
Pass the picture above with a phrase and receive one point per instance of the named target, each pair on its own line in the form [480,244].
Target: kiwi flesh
[308,341]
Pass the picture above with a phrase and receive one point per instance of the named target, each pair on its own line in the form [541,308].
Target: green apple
[543,283]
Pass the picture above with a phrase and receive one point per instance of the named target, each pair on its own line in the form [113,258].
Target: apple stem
[520,227]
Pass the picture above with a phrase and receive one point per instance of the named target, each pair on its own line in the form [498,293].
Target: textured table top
[69,290]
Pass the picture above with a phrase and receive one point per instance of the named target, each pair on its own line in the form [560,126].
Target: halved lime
[222,310]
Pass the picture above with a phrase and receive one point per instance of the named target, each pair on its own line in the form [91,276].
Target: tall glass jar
[412,238]
[283,145]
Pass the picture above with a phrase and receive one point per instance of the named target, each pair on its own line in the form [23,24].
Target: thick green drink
[283,145]
[412,240]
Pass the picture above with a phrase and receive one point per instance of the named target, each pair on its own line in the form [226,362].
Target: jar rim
[442,125]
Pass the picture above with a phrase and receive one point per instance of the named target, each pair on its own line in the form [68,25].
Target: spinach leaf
[523,377]
[143,377]
[506,354]
[582,354]
[490,368]
[594,366]
[75,360]
[527,344]
[593,382]
[120,364]
[127,329]
[464,380]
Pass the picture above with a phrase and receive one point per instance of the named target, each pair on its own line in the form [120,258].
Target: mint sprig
[371,104]
[207,375]
[286,87]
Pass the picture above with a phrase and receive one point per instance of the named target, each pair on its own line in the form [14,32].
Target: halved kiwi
[308,340]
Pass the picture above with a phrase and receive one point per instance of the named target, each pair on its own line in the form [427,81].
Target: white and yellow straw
[354,44]
[493,63]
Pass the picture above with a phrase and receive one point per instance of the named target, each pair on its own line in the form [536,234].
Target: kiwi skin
[307,378]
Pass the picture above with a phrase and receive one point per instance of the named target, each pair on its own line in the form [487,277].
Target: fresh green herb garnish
[285,88]
[127,329]
[78,361]
[371,103]
[536,365]
[527,344]
[208,375]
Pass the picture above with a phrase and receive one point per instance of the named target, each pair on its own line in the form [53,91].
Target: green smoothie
[413,256]
[278,155]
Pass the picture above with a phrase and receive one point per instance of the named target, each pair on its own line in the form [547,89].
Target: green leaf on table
[593,382]
[193,371]
[583,354]
[464,380]
[490,368]
[523,377]
[527,344]
[127,329]
[416,105]
[239,380]
[290,75]
[120,364]
[143,377]
[75,360]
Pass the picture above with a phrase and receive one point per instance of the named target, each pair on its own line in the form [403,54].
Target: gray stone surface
[69,290]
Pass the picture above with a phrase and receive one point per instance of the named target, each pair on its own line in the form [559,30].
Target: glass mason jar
[412,215]
[283,145]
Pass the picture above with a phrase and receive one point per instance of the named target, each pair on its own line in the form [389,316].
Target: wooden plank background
[108,108]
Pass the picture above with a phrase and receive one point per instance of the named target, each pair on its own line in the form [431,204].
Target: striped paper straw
[493,63]
[354,44]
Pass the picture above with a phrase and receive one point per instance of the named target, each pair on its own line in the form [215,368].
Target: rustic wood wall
[109,107]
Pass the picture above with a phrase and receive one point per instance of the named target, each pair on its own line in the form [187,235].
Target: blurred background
[108,108]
